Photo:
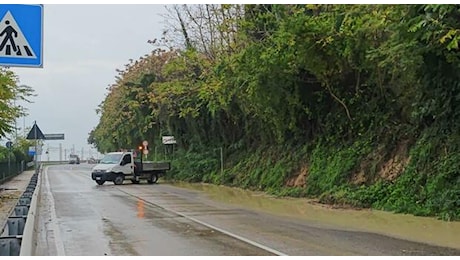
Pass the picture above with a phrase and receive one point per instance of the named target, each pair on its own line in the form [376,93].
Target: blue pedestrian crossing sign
[21,35]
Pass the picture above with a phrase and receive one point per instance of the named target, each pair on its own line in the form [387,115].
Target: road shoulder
[10,192]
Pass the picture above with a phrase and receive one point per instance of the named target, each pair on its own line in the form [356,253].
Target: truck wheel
[153,179]
[119,179]
[99,182]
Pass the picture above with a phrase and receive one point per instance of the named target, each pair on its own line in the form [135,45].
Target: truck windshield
[111,159]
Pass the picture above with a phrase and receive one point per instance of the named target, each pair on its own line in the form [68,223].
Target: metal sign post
[35,134]
[168,140]
[35,155]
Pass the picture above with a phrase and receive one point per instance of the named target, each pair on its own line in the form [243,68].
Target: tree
[10,92]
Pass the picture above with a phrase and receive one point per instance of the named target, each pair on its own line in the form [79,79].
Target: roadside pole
[221,161]
[9,162]
[36,151]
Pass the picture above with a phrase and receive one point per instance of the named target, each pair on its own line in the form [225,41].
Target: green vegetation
[17,153]
[10,93]
[357,105]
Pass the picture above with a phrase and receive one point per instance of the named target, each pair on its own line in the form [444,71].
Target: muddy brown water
[403,226]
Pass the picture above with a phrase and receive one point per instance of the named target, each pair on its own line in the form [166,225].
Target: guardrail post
[24,202]
[20,211]
[16,225]
[10,246]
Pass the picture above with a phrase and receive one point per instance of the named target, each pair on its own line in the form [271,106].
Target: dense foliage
[352,104]
[10,95]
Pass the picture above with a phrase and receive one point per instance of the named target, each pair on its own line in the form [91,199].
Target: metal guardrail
[16,238]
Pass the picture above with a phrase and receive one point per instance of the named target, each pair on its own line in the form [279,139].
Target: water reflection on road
[140,208]
[420,229]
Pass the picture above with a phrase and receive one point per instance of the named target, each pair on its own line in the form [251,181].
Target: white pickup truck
[121,166]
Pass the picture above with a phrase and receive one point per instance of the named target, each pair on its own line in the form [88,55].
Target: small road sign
[35,133]
[32,150]
[54,136]
[21,35]
[168,140]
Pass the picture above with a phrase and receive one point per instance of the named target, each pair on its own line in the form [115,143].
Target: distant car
[92,160]
[74,159]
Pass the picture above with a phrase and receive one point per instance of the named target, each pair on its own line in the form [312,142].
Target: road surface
[79,217]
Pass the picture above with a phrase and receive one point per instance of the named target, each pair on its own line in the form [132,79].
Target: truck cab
[74,159]
[120,166]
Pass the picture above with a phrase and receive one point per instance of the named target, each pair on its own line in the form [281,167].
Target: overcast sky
[83,46]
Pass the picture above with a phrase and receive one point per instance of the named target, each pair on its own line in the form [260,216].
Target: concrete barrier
[28,243]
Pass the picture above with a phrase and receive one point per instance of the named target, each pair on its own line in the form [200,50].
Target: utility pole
[36,150]
[60,152]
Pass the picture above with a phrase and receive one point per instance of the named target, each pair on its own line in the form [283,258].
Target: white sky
[83,46]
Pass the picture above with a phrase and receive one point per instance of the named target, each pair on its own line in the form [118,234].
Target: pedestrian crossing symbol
[13,43]
[21,35]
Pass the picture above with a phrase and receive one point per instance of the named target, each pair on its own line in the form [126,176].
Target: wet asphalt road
[78,217]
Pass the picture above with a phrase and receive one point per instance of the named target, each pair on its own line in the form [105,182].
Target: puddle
[420,229]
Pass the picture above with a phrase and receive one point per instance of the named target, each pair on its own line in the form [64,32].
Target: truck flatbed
[155,166]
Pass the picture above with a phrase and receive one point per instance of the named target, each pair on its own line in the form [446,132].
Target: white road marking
[228,233]
[266,248]
[54,226]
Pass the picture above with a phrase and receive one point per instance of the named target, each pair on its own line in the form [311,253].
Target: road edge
[29,234]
